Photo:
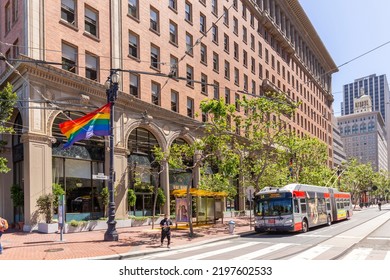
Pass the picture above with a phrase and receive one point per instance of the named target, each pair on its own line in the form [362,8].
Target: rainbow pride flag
[95,123]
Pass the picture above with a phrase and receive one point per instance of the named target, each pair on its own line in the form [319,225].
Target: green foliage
[104,194]
[7,102]
[131,197]
[161,199]
[57,191]
[45,206]
[17,195]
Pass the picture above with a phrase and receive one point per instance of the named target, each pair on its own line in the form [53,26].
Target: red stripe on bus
[297,226]
[342,195]
[326,195]
[299,193]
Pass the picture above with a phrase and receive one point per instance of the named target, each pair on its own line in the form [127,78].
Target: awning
[198,192]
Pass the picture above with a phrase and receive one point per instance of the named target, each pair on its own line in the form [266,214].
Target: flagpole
[112,90]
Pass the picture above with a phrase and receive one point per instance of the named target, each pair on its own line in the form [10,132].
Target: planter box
[96,225]
[48,228]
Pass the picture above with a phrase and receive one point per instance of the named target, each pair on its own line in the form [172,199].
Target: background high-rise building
[211,49]
[377,88]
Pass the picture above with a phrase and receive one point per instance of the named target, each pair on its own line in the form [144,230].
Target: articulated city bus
[298,207]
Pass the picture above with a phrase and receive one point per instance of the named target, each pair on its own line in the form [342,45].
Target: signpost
[61,214]
[249,195]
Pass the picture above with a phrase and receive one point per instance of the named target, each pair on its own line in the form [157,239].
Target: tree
[7,102]
[356,178]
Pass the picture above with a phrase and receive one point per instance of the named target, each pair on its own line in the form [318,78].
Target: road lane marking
[379,238]
[221,251]
[358,254]
[262,252]
[387,257]
[312,252]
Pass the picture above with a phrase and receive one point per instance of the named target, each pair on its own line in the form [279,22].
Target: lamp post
[112,91]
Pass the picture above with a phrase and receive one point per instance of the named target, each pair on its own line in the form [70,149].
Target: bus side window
[303,205]
[296,207]
[327,204]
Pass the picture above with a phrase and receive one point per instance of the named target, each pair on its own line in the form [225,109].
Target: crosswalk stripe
[358,254]
[312,252]
[262,252]
[221,251]
[387,257]
[175,252]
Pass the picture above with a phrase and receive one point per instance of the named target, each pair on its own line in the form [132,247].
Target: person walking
[166,230]
[380,205]
[3,227]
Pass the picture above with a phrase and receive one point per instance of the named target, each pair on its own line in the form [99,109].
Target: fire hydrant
[231,227]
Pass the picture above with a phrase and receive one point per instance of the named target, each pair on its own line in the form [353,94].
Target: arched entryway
[73,169]
[144,171]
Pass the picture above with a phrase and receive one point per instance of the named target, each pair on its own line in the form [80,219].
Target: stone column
[164,182]
[121,182]
[37,174]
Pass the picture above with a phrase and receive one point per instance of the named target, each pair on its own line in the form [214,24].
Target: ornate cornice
[37,138]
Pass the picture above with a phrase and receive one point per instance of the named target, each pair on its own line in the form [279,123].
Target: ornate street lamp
[112,91]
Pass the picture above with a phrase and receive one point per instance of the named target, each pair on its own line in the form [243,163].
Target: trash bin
[231,227]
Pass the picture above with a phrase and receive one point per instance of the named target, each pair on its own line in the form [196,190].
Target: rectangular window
[203,80]
[15,49]
[91,66]
[133,45]
[134,85]
[236,55]
[155,56]
[190,76]
[133,8]
[173,4]
[260,71]
[253,65]
[227,70]
[243,10]
[252,42]
[156,93]
[245,58]
[69,58]
[154,19]
[235,4]
[68,11]
[203,53]
[214,7]
[237,102]
[236,76]
[260,49]
[226,42]
[216,90]
[189,44]
[266,56]
[245,82]
[253,87]
[227,96]
[190,107]
[215,62]
[188,11]
[91,22]
[235,25]
[174,100]
[244,34]
[202,22]
[226,16]
[173,32]
[214,32]
[174,72]
[15,10]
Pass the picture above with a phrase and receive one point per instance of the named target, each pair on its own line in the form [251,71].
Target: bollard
[231,227]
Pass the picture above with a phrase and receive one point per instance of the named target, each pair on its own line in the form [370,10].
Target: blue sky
[348,29]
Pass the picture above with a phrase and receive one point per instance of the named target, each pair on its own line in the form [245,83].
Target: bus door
[333,205]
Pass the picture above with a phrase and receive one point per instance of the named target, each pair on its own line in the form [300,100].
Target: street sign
[99,176]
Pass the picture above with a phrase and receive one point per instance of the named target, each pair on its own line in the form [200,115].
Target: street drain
[54,250]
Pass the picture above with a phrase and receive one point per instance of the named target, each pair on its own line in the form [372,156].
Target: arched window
[143,170]
[371,126]
[347,130]
[73,169]
[363,128]
[355,129]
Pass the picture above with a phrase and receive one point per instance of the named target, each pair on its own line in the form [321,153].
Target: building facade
[364,134]
[377,88]
[339,155]
[170,56]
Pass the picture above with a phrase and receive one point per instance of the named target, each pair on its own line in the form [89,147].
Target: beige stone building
[235,47]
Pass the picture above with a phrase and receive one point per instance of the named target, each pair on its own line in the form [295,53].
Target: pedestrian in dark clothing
[380,205]
[166,230]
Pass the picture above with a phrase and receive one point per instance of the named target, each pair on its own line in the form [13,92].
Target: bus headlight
[288,222]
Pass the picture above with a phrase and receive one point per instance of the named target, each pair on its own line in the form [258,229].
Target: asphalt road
[366,236]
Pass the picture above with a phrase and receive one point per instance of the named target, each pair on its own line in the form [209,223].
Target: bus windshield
[274,207]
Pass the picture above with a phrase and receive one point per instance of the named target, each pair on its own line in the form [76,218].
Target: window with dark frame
[190,107]
[155,89]
[133,45]
[173,32]
[155,56]
[68,11]
[91,66]
[190,76]
[215,62]
[134,85]
[203,80]
[188,11]
[174,101]
[202,22]
[174,71]
[91,22]
[69,58]
[189,44]
[154,19]
[203,53]
[133,8]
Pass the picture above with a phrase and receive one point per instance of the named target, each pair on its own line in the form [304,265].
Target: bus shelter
[207,205]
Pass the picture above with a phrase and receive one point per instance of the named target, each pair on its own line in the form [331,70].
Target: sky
[348,29]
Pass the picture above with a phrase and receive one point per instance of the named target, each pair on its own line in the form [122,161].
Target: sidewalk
[134,241]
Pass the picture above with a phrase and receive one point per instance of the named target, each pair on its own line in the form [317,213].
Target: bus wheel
[329,221]
[304,226]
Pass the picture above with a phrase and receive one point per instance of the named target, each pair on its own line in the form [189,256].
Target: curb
[148,252]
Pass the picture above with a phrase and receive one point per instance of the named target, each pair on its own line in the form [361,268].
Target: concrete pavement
[133,241]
